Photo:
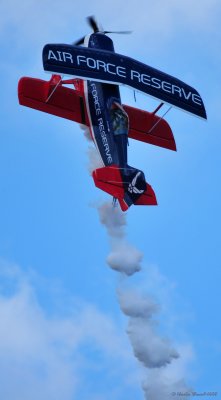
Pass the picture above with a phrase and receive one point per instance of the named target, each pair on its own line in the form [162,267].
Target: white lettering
[51,55]
[186,96]
[135,74]
[121,71]
[91,63]
[156,83]
[197,99]
[67,56]
[102,64]
[108,68]
[166,86]
[105,141]
[176,89]
[145,79]
[96,101]
[59,56]
[80,59]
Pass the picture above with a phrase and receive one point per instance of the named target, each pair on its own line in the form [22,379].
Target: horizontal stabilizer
[109,179]
[107,66]
[148,198]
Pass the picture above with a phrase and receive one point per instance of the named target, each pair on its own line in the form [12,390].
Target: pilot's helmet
[119,119]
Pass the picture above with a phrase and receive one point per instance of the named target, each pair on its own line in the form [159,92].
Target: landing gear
[114,202]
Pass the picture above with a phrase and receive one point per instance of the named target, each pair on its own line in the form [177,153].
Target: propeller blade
[119,32]
[78,42]
[93,23]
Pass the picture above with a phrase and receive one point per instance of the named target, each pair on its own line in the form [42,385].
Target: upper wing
[107,66]
[63,102]
[148,127]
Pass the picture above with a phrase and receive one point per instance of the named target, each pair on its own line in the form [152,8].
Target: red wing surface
[53,98]
[149,128]
[62,101]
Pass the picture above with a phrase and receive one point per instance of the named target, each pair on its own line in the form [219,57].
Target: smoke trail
[124,257]
[94,160]
[152,350]
[86,131]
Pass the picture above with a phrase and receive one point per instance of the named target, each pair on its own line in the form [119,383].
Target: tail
[127,184]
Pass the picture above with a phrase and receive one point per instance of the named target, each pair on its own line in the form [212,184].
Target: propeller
[93,24]
[78,42]
[119,32]
[95,27]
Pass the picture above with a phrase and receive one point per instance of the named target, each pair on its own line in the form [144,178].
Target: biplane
[91,96]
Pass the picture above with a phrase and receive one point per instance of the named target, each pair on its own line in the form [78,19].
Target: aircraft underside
[93,99]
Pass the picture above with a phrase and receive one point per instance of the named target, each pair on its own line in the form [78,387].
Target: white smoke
[94,160]
[166,383]
[153,351]
[86,132]
[124,257]
[159,389]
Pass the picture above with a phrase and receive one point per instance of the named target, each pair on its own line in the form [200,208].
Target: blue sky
[62,332]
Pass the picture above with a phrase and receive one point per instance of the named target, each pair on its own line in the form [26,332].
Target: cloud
[43,355]
[31,364]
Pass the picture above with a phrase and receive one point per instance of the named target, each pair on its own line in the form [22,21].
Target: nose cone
[100,41]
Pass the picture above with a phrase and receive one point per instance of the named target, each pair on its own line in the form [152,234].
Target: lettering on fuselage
[100,124]
[97,106]
[104,140]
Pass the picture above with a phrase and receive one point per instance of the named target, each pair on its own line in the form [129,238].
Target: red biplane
[93,99]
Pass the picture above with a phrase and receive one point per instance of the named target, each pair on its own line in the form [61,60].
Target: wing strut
[57,84]
[154,126]
[157,109]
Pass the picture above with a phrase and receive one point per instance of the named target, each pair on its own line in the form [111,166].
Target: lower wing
[54,98]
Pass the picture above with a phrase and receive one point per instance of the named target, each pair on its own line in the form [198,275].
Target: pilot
[133,178]
[120,126]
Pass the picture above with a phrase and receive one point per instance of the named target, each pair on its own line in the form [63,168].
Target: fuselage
[99,98]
